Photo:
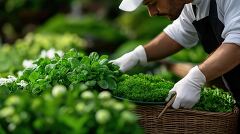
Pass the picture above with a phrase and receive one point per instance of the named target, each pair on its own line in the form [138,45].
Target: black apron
[209,31]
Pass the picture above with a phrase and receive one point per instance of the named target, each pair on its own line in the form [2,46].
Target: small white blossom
[20,73]
[51,53]
[28,64]
[22,83]
[10,79]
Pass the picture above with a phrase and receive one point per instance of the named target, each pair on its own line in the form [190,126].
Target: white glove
[129,60]
[188,89]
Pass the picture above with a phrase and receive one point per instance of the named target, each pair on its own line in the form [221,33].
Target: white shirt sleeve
[231,10]
[182,29]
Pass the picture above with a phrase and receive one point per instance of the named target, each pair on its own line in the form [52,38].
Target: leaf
[74,62]
[94,56]
[33,76]
[103,84]
[91,83]
[49,67]
[103,59]
[111,83]
[85,60]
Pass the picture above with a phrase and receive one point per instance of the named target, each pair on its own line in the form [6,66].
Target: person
[215,23]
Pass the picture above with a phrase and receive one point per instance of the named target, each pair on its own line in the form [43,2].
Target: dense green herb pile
[143,87]
[30,47]
[71,69]
[66,111]
[215,100]
[149,88]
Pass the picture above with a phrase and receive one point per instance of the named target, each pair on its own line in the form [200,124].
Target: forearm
[225,58]
[161,47]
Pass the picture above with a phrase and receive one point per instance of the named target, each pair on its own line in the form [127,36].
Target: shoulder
[225,5]
[187,13]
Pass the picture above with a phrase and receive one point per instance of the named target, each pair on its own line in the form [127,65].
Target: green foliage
[77,111]
[139,25]
[194,55]
[127,47]
[69,70]
[88,27]
[12,56]
[215,100]
[35,5]
[143,87]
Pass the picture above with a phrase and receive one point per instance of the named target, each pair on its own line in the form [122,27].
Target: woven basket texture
[182,121]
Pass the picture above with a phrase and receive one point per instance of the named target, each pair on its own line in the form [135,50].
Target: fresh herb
[150,88]
[215,100]
[75,111]
[69,70]
[143,87]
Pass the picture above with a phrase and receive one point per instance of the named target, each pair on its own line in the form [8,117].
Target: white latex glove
[188,89]
[129,60]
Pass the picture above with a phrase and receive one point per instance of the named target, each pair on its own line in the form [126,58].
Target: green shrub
[75,111]
[71,69]
[194,55]
[88,27]
[12,56]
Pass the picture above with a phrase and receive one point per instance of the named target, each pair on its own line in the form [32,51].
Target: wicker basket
[182,121]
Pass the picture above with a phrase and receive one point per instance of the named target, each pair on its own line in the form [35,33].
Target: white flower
[20,73]
[58,90]
[22,83]
[10,79]
[51,53]
[60,53]
[28,64]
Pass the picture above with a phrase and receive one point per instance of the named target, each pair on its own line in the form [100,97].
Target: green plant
[73,111]
[149,88]
[88,27]
[12,56]
[139,25]
[69,70]
[215,100]
[143,87]
[194,55]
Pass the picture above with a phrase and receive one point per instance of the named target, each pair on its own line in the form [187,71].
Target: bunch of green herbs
[143,87]
[72,68]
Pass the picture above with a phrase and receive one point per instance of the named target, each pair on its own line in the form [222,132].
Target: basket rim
[152,103]
[162,105]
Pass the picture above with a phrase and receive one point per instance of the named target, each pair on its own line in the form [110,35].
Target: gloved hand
[129,60]
[188,89]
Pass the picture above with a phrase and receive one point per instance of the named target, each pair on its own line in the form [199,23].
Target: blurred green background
[27,27]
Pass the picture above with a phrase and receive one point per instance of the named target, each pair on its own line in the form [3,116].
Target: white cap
[130,5]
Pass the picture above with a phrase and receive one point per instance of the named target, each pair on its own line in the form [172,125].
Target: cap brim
[130,5]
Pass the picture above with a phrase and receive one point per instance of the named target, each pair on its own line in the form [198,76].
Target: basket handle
[170,102]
